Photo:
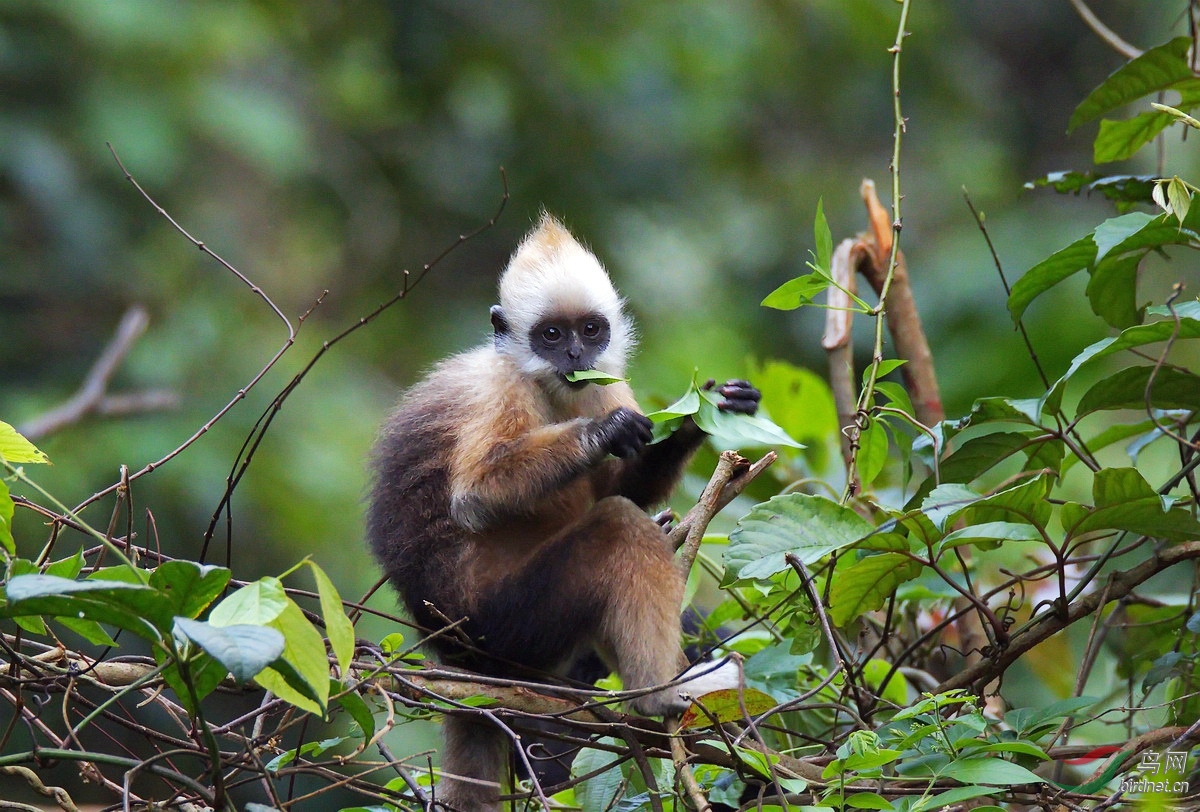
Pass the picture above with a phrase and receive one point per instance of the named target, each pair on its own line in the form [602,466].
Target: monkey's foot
[702,678]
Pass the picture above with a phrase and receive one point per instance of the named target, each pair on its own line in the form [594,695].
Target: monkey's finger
[709,384]
[739,396]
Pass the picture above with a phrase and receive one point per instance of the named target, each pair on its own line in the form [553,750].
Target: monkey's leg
[472,750]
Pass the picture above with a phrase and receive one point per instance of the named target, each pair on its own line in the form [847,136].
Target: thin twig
[1106,34]
[93,396]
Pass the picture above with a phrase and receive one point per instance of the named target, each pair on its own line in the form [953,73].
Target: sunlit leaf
[16,450]
[822,238]
[810,527]
[1120,140]
[337,626]
[796,292]
[302,675]
[985,770]
[256,603]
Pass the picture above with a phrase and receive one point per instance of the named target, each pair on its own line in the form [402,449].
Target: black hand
[622,432]
[739,396]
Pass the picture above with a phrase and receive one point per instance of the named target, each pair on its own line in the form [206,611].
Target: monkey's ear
[499,322]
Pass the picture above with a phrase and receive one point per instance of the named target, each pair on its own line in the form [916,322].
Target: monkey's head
[558,311]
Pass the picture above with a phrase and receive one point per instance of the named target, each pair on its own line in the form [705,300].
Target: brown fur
[489,504]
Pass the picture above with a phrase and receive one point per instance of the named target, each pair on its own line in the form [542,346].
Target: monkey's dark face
[570,345]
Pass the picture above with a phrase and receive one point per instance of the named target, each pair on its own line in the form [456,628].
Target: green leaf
[1120,188]
[867,584]
[337,625]
[810,527]
[945,502]
[979,455]
[134,607]
[988,535]
[593,376]
[1138,336]
[68,567]
[728,705]
[1120,140]
[302,675]
[190,586]
[896,689]
[243,650]
[1173,389]
[822,238]
[1112,290]
[872,452]
[993,771]
[1124,500]
[869,800]
[354,705]
[6,516]
[737,430]
[256,603]
[602,790]
[16,450]
[796,292]
[1026,722]
[799,402]
[952,798]
[204,675]
[1156,69]
[1048,273]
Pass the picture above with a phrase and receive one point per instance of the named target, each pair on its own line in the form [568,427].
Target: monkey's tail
[475,758]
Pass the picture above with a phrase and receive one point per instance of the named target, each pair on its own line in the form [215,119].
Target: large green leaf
[1049,272]
[1140,335]
[16,450]
[809,527]
[244,650]
[989,770]
[1156,69]
[866,585]
[1112,290]
[1124,500]
[190,586]
[1172,389]
[141,609]
[257,603]
[1120,140]
[301,676]
[337,626]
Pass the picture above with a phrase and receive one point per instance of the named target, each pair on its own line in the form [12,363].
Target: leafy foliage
[876,630]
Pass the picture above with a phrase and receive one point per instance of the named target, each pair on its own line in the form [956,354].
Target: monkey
[508,504]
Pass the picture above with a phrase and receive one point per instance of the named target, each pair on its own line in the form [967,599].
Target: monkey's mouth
[575,385]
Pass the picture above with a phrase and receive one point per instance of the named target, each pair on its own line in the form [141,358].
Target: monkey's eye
[552,334]
[591,329]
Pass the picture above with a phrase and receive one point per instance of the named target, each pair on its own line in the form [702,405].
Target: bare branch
[93,397]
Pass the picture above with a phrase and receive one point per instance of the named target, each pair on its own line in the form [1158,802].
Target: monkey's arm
[494,479]
[649,478]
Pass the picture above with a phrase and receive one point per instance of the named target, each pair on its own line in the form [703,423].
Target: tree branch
[93,397]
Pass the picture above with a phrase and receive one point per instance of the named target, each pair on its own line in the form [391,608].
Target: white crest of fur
[551,274]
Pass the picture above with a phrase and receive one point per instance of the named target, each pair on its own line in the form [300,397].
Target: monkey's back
[409,528]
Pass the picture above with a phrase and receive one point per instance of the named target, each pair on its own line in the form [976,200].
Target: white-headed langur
[512,501]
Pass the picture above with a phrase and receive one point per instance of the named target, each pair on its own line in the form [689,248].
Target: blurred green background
[332,146]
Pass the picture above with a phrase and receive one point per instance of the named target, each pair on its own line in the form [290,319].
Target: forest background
[330,147]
